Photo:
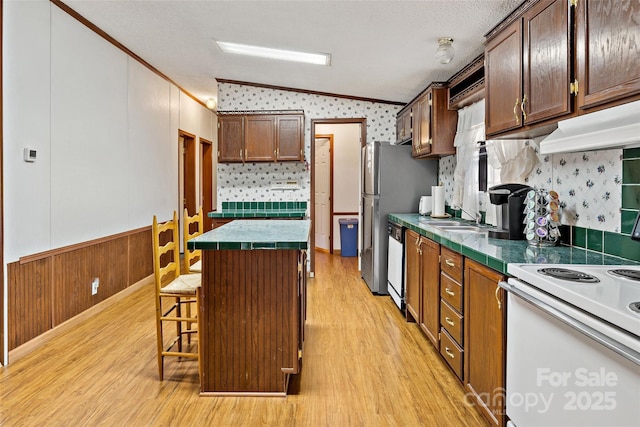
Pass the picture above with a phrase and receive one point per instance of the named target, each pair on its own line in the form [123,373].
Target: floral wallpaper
[589,185]
[254,181]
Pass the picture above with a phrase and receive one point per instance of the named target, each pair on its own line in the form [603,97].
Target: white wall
[105,127]
[346,171]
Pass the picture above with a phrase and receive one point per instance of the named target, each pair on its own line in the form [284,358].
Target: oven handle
[611,344]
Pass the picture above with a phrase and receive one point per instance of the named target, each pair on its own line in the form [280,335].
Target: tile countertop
[497,253]
[255,234]
[261,210]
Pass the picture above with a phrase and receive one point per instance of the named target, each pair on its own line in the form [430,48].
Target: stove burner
[627,274]
[569,275]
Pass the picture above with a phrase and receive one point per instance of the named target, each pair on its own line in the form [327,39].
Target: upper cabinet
[530,77]
[404,125]
[528,65]
[608,52]
[260,138]
[434,125]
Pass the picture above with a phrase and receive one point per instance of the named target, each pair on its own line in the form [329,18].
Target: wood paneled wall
[48,289]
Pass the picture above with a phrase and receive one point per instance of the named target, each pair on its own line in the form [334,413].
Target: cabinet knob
[449,321]
[450,292]
[449,353]
[450,263]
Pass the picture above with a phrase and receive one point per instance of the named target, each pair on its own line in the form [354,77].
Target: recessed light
[271,53]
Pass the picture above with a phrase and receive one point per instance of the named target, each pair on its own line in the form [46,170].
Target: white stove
[573,345]
[609,297]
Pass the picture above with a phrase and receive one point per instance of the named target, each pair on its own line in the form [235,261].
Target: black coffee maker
[511,201]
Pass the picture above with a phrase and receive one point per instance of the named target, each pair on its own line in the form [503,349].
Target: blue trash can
[348,236]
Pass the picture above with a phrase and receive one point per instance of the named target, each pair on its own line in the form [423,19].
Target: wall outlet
[94,286]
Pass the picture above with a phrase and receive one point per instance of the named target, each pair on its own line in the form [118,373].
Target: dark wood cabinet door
[443,123]
[547,61]
[412,275]
[423,139]
[608,51]
[230,139]
[289,137]
[260,138]
[430,263]
[503,81]
[484,340]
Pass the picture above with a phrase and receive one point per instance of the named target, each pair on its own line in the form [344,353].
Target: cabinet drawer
[451,352]
[451,263]
[451,292]
[451,321]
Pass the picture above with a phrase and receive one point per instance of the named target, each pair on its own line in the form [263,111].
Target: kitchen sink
[462,229]
[450,223]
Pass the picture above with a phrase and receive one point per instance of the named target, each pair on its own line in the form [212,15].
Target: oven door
[566,368]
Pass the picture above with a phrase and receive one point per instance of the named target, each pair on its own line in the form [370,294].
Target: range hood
[616,127]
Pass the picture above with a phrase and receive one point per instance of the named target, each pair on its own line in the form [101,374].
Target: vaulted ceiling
[379,49]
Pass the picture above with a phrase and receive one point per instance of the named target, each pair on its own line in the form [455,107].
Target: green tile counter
[252,306]
[255,234]
[232,210]
[497,253]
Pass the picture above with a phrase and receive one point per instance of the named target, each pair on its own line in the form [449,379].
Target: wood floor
[363,365]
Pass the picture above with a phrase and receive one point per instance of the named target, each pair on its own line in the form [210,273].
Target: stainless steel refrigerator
[392,182]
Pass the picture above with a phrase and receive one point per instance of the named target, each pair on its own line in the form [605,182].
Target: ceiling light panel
[271,53]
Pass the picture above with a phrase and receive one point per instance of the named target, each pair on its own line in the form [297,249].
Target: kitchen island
[252,306]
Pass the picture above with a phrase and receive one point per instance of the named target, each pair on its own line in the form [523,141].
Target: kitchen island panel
[250,320]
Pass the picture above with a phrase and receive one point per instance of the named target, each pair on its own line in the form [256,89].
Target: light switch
[29,155]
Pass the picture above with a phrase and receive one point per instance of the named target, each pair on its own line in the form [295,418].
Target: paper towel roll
[437,196]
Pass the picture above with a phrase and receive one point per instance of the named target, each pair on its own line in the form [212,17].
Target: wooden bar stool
[175,293]
[192,227]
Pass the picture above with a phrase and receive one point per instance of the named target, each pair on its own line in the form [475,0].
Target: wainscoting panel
[49,288]
[140,256]
[29,287]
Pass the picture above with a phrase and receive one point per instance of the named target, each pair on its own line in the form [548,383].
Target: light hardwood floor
[363,365]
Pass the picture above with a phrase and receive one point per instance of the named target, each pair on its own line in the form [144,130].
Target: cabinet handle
[524,113]
[449,353]
[450,263]
[430,141]
[274,153]
[277,152]
[498,297]
[449,321]
[515,111]
[245,153]
[450,292]
[241,153]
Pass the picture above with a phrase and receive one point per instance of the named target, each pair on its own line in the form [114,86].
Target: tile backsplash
[253,181]
[599,193]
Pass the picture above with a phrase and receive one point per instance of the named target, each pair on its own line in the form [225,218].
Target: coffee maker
[511,199]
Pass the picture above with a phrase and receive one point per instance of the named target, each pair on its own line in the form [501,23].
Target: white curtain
[509,161]
[469,132]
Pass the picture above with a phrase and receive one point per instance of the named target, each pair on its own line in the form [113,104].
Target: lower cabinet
[461,309]
[422,284]
[484,340]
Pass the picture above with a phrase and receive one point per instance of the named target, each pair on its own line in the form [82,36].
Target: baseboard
[26,348]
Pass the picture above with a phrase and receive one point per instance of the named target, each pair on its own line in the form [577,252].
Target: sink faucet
[477,214]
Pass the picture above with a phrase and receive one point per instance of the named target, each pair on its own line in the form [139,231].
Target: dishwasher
[395,264]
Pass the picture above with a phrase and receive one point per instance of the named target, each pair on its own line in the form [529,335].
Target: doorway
[323,189]
[345,204]
[187,176]
[206,181]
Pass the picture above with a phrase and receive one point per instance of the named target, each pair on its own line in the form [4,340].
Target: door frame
[363,140]
[187,173]
[328,136]
[206,181]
